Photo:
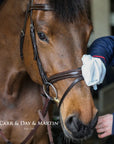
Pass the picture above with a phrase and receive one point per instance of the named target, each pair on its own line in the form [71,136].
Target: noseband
[47,82]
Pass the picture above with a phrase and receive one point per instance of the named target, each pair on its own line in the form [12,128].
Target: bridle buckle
[47,85]
[56,100]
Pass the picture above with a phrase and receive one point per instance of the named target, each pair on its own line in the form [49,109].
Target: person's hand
[93,70]
[104,125]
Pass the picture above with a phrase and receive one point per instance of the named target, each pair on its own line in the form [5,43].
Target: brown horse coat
[19,96]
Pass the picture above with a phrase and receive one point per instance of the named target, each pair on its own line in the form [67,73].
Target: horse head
[61,32]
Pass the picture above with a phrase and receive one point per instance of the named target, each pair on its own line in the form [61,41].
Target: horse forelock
[69,10]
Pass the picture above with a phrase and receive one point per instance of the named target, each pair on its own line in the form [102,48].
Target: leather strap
[32,132]
[65,75]
[68,89]
[36,55]
[30,7]
[43,7]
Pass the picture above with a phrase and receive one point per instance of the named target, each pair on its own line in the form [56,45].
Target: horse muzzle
[76,130]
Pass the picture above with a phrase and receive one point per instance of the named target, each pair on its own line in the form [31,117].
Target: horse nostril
[77,128]
[72,123]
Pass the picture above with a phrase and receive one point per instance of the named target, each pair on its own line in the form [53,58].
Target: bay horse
[61,32]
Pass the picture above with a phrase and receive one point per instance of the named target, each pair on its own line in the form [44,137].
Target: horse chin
[74,137]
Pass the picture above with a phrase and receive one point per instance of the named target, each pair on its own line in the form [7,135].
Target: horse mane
[69,10]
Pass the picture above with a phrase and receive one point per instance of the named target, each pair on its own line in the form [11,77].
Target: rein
[47,81]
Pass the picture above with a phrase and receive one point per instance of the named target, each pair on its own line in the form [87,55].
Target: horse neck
[11,66]
[13,12]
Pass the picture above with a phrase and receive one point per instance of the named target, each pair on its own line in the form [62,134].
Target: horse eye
[42,36]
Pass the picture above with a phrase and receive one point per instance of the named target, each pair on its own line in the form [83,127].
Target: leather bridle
[47,82]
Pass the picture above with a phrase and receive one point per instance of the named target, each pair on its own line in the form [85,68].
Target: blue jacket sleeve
[103,48]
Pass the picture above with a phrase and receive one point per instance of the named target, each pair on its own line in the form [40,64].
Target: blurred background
[102,17]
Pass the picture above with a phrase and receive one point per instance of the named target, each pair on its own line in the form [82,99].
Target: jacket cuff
[101,57]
